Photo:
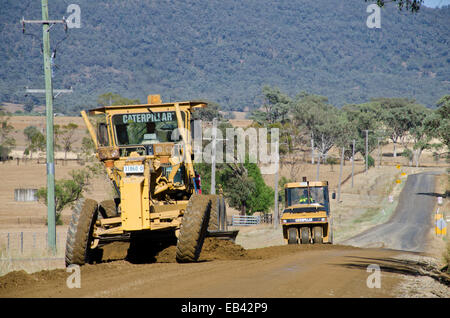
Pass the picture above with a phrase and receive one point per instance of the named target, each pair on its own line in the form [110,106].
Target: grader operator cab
[147,153]
[306,218]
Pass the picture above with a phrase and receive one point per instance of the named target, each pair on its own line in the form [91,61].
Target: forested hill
[227,50]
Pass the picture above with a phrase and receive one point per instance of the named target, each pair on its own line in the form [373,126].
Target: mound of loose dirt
[277,251]
[213,249]
[15,279]
[216,249]
[18,279]
[167,255]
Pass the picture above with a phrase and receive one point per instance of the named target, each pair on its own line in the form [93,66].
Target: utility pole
[51,212]
[275,211]
[214,141]
[213,157]
[353,160]
[319,156]
[367,150]
[340,175]
[379,152]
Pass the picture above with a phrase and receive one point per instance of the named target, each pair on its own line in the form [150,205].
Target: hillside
[227,50]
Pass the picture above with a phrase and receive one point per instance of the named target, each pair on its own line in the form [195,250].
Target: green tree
[332,161]
[364,117]
[237,186]
[208,113]
[293,140]
[263,197]
[323,122]
[275,107]
[408,154]
[7,142]
[395,115]
[370,161]
[87,149]
[65,137]
[29,131]
[242,185]
[419,116]
[28,107]
[438,123]
[35,140]
[68,191]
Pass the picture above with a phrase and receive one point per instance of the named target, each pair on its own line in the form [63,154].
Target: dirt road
[283,271]
[228,270]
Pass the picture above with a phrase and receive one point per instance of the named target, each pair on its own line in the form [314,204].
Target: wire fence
[29,244]
[28,251]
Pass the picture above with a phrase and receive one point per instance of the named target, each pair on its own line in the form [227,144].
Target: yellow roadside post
[441,225]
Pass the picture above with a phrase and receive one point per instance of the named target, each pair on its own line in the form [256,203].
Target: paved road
[409,227]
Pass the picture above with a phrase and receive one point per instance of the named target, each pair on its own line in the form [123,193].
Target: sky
[436,3]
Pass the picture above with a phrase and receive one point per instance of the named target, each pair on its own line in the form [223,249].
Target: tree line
[309,120]
[306,122]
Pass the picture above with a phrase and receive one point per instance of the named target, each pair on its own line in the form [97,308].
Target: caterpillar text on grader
[149,162]
[306,218]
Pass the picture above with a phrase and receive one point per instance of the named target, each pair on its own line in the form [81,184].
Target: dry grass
[446,256]
[32,175]
[367,203]
[442,189]
[21,122]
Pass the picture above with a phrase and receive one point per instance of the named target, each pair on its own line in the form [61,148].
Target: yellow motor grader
[147,153]
[306,217]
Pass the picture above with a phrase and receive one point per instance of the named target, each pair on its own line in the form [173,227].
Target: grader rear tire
[193,229]
[79,235]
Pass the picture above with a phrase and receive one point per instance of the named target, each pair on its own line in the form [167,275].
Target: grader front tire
[79,235]
[193,229]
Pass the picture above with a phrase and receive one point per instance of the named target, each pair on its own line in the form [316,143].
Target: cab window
[146,128]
